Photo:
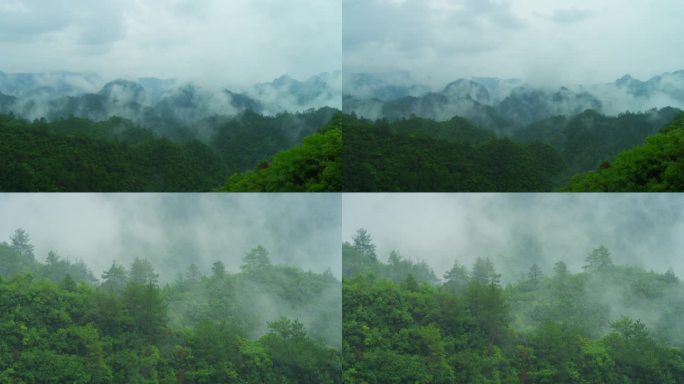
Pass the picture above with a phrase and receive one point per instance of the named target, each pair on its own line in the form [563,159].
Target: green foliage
[128,330]
[361,259]
[256,260]
[590,138]
[598,260]
[363,243]
[540,330]
[313,166]
[21,243]
[90,156]
[74,154]
[248,138]
[395,157]
[655,166]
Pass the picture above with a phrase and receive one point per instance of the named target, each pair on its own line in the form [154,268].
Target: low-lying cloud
[176,230]
[518,230]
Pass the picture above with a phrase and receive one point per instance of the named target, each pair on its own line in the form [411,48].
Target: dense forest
[418,154]
[76,154]
[655,166]
[607,323]
[265,324]
[313,166]
[423,155]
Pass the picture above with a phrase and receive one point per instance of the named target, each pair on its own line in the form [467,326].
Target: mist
[175,230]
[518,230]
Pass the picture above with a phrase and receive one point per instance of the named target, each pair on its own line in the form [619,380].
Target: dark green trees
[313,166]
[655,166]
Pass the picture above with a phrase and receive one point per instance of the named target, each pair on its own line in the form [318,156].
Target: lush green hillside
[198,329]
[248,138]
[655,166]
[586,140]
[454,156]
[313,166]
[563,328]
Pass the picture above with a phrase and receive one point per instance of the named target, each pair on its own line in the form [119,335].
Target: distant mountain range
[160,104]
[504,105]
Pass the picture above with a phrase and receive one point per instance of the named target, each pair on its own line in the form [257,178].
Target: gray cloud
[175,230]
[236,43]
[581,42]
[517,230]
[570,15]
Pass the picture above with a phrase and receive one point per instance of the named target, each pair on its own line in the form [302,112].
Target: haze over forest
[518,230]
[176,230]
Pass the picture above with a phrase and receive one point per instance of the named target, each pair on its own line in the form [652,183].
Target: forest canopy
[77,154]
[267,323]
[607,323]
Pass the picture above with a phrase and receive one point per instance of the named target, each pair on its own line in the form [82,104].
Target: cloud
[237,42]
[570,15]
[581,42]
[175,230]
[517,230]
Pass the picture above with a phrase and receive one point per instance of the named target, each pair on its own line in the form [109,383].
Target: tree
[114,279]
[394,258]
[561,270]
[141,272]
[363,243]
[535,274]
[598,260]
[457,278]
[257,259]
[193,273]
[218,269]
[52,258]
[21,242]
[484,272]
[147,309]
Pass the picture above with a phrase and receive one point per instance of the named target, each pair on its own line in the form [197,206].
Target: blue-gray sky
[235,42]
[570,42]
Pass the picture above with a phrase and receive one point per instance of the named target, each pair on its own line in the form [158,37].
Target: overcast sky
[517,230]
[175,230]
[234,42]
[569,42]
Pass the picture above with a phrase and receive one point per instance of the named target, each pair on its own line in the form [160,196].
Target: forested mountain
[655,166]
[313,166]
[420,155]
[505,105]
[589,138]
[158,104]
[151,134]
[605,324]
[75,154]
[267,323]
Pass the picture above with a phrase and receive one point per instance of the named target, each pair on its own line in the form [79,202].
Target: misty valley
[66,132]
[605,323]
[266,323]
[492,134]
